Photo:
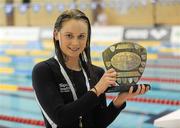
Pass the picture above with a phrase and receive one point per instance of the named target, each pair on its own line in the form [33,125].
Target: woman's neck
[73,63]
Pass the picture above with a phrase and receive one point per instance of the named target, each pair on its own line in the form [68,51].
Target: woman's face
[73,37]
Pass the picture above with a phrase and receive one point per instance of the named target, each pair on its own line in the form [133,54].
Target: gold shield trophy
[129,61]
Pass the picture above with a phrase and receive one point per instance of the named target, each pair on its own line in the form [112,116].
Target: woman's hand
[108,79]
[122,97]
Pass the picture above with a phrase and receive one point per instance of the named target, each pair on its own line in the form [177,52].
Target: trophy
[129,61]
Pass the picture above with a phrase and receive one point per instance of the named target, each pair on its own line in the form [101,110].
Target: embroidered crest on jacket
[64,87]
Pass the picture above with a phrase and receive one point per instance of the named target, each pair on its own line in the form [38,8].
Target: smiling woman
[69,89]
[73,38]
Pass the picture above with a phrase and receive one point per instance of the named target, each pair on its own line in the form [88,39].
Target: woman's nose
[75,41]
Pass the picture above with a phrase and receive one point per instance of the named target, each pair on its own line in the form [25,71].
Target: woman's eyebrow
[84,33]
[67,32]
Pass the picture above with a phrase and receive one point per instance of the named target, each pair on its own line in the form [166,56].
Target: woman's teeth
[74,49]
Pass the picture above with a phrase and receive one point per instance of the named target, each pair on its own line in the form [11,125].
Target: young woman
[69,89]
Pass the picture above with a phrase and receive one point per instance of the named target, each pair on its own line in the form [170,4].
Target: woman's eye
[69,36]
[81,36]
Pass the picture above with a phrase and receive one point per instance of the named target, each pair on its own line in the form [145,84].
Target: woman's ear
[55,34]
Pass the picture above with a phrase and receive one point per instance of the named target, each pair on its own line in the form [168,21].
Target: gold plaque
[129,61]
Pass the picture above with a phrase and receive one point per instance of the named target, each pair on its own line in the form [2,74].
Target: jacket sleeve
[104,115]
[51,101]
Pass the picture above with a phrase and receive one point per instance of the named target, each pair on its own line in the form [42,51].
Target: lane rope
[151,100]
[22,120]
[137,99]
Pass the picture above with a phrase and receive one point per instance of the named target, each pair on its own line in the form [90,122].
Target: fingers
[111,70]
[111,73]
[142,89]
[147,88]
[138,91]
[111,81]
[131,90]
[107,80]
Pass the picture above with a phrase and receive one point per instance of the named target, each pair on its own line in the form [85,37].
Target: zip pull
[80,122]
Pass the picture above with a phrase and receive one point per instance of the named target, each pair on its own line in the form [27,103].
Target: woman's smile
[74,49]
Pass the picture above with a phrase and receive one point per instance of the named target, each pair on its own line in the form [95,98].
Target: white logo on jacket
[64,87]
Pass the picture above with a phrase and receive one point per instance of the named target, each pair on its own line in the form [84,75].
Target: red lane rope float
[150,100]
[168,57]
[9,87]
[165,80]
[28,89]
[163,66]
[41,123]
[22,120]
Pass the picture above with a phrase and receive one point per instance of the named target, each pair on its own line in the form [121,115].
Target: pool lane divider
[162,80]
[7,87]
[22,120]
[41,123]
[176,57]
[151,100]
[163,66]
[135,99]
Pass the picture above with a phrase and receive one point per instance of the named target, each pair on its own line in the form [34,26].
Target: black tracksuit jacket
[56,101]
